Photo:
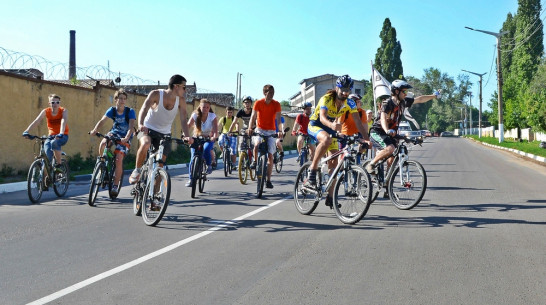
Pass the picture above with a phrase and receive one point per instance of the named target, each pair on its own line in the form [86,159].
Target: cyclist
[225,125]
[156,117]
[244,114]
[348,125]
[300,126]
[57,125]
[323,124]
[124,120]
[206,124]
[388,118]
[264,114]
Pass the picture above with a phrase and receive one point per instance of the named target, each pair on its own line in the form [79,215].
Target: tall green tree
[387,58]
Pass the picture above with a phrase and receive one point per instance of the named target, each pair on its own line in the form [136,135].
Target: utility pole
[499,78]
[480,113]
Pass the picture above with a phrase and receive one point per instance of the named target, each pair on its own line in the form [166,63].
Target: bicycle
[261,164]
[198,165]
[152,192]
[104,172]
[304,154]
[277,158]
[352,190]
[405,181]
[43,174]
[245,155]
[226,155]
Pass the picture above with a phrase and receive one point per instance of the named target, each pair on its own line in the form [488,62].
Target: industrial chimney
[72,59]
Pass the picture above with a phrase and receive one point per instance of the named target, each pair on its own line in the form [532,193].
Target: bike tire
[375,183]
[252,172]
[35,181]
[111,183]
[154,207]
[225,156]
[407,194]
[61,180]
[303,157]
[243,168]
[352,195]
[278,164]
[95,183]
[203,176]
[138,191]
[261,174]
[304,201]
[195,173]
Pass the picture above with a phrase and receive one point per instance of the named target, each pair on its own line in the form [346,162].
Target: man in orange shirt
[264,114]
[57,118]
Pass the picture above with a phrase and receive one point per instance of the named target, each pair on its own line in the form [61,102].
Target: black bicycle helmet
[247,97]
[307,105]
[345,81]
[400,85]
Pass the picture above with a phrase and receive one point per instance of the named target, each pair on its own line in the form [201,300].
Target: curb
[519,152]
[21,186]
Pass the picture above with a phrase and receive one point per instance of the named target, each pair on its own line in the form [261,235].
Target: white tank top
[206,127]
[161,119]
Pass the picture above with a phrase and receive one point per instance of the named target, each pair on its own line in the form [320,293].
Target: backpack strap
[127,111]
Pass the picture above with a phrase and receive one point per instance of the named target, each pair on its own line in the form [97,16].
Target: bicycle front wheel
[243,167]
[155,202]
[278,165]
[407,185]
[305,201]
[61,180]
[35,181]
[261,173]
[226,158]
[96,181]
[111,183]
[195,173]
[203,176]
[352,195]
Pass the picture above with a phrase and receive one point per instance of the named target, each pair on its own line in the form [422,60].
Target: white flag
[381,86]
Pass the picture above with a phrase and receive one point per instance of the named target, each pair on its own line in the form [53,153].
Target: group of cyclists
[338,113]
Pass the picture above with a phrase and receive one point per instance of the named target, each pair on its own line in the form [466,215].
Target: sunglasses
[183,86]
[405,91]
[345,90]
[55,102]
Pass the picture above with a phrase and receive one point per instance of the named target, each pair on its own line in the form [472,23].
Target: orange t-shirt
[54,122]
[348,126]
[266,113]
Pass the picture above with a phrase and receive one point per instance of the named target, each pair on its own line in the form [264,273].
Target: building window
[357,91]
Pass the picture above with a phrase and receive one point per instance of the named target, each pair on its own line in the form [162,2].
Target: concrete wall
[22,99]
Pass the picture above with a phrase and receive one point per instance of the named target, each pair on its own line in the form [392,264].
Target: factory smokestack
[72,59]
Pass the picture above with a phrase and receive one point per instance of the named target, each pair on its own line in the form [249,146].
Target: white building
[313,88]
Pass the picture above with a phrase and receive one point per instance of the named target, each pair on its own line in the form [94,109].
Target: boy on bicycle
[300,127]
[123,123]
[225,125]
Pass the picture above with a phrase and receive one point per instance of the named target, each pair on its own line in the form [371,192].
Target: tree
[387,58]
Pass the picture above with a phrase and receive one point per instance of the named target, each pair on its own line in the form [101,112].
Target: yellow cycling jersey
[328,102]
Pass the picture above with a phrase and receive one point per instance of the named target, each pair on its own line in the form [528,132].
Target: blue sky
[277,42]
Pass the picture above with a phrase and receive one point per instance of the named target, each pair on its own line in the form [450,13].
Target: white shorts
[271,144]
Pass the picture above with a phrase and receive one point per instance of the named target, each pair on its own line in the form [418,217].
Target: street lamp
[499,78]
[480,113]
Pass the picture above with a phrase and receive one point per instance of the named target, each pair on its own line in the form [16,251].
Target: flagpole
[373,92]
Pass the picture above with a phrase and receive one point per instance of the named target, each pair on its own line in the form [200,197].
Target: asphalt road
[476,238]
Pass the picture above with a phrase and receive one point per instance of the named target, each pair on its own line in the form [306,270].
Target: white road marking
[147,257]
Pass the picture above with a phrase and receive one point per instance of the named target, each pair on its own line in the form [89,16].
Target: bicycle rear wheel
[35,181]
[226,158]
[155,203]
[352,195]
[243,167]
[407,185]
[61,180]
[96,181]
[306,202]
[261,173]
[278,164]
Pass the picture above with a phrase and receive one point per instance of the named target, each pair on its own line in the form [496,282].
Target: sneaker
[115,190]
[298,159]
[308,184]
[209,169]
[281,155]
[135,175]
[155,207]
[58,168]
[214,164]
[385,195]
[253,165]
[371,169]
[188,183]
[268,185]
[234,167]
[329,202]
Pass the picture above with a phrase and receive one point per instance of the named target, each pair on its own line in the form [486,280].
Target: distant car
[428,133]
[446,134]
[404,129]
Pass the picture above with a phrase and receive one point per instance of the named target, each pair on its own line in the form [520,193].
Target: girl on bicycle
[206,124]
[57,118]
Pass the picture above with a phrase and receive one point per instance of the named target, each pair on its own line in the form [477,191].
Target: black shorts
[381,139]
[156,138]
